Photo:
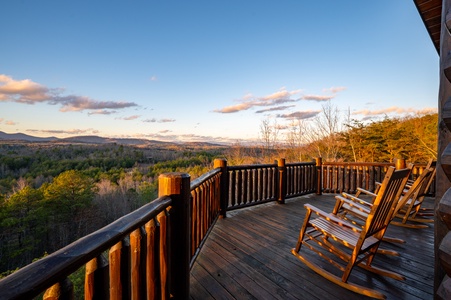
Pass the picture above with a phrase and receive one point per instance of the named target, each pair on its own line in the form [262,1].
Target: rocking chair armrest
[355,204]
[329,216]
[355,199]
[362,190]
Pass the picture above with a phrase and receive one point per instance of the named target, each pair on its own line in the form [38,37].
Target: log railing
[346,177]
[248,185]
[129,243]
[148,253]
[205,208]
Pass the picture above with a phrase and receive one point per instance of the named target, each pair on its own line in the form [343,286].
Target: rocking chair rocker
[351,245]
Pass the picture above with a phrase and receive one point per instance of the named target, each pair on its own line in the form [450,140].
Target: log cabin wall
[442,244]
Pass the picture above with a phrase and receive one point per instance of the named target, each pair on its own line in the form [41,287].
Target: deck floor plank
[247,256]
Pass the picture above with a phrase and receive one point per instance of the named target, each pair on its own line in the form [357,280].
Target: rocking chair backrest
[417,190]
[432,166]
[386,200]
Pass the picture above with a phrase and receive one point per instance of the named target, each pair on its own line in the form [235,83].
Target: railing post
[224,194]
[177,185]
[282,180]
[63,290]
[400,163]
[319,176]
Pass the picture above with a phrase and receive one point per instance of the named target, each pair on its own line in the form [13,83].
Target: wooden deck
[247,256]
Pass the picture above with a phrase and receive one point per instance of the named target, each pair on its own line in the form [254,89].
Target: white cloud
[249,101]
[300,115]
[395,109]
[29,92]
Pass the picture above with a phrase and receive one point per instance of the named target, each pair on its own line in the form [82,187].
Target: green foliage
[51,195]
[178,165]
[78,280]
[70,191]
[413,138]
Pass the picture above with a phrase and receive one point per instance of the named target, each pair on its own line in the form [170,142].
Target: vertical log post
[400,163]
[282,190]
[97,278]
[63,290]
[224,193]
[319,175]
[177,186]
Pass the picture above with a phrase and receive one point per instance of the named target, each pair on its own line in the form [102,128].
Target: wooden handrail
[31,280]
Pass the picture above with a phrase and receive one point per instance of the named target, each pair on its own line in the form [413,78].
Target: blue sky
[207,70]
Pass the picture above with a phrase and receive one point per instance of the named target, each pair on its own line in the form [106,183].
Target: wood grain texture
[247,256]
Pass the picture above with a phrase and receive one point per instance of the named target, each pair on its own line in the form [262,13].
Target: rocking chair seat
[333,238]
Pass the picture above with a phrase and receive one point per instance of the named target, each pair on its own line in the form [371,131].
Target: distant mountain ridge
[92,139]
[25,137]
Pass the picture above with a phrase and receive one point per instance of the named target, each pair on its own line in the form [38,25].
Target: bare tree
[324,134]
[269,134]
[296,139]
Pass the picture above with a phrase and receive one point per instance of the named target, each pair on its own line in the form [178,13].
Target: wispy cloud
[153,120]
[277,108]
[102,112]
[300,115]
[318,98]
[249,101]
[167,136]
[395,109]
[334,89]
[67,132]
[129,118]
[29,92]
[276,99]
[7,122]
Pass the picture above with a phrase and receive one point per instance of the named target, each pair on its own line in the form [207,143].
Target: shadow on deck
[247,256]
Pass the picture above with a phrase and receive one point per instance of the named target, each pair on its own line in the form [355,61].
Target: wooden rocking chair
[335,236]
[358,211]
[411,210]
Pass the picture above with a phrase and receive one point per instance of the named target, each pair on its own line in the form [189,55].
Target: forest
[53,193]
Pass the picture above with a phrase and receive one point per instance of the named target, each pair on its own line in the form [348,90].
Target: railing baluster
[115,272]
[135,251]
[152,261]
[61,290]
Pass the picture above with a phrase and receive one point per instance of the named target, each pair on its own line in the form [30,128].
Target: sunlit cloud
[249,101]
[166,120]
[334,89]
[300,115]
[66,132]
[153,120]
[102,112]
[10,123]
[277,108]
[166,136]
[129,118]
[395,110]
[318,97]
[22,91]
[80,103]
[29,92]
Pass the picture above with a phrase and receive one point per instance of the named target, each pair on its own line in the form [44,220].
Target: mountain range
[91,139]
